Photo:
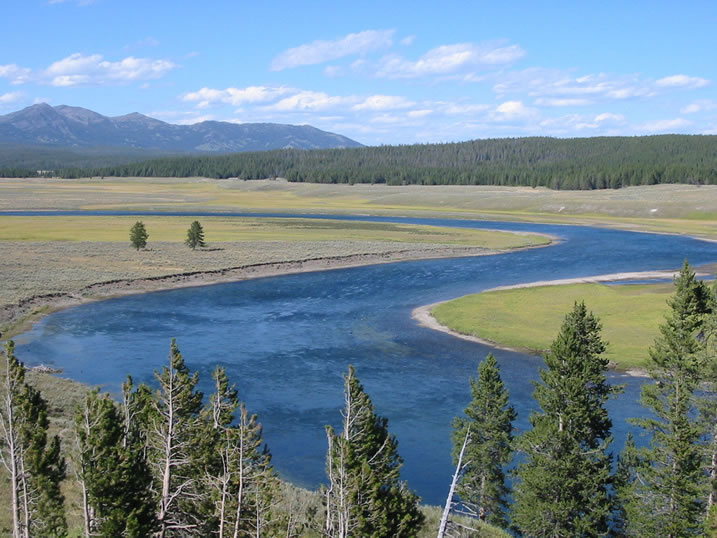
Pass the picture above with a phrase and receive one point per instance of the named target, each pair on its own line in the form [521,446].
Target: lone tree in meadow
[138,235]
[195,236]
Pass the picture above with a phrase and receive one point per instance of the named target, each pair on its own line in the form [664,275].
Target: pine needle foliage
[34,462]
[489,418]
[564,484]
[365,496]
[195,236]
[666,490]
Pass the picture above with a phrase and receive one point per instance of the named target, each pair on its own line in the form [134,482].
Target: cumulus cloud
[449,59]
[15,74]
[682,81]
[318,52]
[235,96]
[383,102]
[662,126]
[609,117]
[10,97]
[311,101]
[511,110]
[78,69]
[702,105]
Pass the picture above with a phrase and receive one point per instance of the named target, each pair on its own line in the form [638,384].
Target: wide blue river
[286,341]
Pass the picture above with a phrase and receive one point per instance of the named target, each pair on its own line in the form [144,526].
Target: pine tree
[138,235]
[36,467]
[241,486]
[113,474]
[365,496]
[667,493]
[171,433]
[564,483]
[195,236]
[707,405]
[489,418]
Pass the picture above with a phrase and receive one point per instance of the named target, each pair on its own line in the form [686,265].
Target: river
[286,341]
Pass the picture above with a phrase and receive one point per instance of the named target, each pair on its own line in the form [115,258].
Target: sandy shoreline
[423,316]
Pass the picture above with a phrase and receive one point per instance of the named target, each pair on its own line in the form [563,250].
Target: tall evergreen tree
[667,494]
[36,466]
[171,433]
[707,405]
[489,419]
[365,496]
[113,475]
[563,487]
[241,486]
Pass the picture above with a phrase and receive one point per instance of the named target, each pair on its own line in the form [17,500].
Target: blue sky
[379,72]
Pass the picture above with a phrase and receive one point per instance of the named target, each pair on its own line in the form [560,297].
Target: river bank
[17,317]
[423,314]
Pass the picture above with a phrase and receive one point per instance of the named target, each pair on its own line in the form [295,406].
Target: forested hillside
[578,163]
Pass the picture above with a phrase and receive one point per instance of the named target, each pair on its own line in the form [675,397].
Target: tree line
[578,163]
[165,461]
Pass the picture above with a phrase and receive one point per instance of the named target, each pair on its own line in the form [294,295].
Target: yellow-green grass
[530,318]
[223,229]
[685,209]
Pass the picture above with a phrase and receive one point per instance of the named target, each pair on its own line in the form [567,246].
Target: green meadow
[529,318]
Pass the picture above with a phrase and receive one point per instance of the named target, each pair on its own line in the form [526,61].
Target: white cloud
[310,101]
[609,117]
[15,73]
[419,113]
[449,59]
[661,126]
[383,102]
[682,81]
[321,51]
[702,105]
[11,97]
[235,96]
[558,84]
[511,110]
[78,69]
[408,40]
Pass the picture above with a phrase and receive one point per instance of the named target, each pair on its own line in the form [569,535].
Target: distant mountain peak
[77,127]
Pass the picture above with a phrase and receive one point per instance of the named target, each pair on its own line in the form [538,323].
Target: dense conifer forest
[578,163]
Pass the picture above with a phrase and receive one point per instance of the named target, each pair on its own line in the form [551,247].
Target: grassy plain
[530,318]
[684,209]
[225,229]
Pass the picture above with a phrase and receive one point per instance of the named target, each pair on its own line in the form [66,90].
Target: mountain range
[76,128]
